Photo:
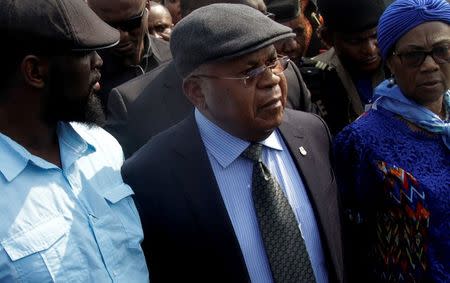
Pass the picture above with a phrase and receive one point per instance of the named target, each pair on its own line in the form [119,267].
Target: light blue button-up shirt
[234,177]
[77,223]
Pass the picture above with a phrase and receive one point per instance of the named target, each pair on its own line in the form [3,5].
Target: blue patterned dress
[395,183]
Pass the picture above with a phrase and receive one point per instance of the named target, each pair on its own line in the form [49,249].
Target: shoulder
[371,121]
[326,60]
[293,76]
[307,124]
[160,48]
[304,119]
[106,146]
[95,135]
[159,150]
[133,88]
[368,129]
[157,83]
[316,69]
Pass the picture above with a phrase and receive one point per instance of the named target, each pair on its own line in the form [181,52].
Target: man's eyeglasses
[440,54]
[277,67]
[129,24]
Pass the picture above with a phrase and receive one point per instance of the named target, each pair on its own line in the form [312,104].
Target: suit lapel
[202,193]
[322,197]
[299,147]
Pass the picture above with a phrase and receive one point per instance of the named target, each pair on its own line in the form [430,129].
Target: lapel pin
[302,151]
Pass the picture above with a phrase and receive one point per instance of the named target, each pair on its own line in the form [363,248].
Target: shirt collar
[72,144]
[225,147]
[15,157]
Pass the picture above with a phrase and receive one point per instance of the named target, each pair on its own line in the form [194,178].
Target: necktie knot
[253,152]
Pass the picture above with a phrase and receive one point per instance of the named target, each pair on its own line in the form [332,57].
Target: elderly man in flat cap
[65,213]
[242,189]
[158,97]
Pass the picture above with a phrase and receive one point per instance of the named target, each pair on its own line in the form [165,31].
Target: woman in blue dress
[393,163]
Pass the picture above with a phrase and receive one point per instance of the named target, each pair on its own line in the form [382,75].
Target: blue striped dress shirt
[234,177]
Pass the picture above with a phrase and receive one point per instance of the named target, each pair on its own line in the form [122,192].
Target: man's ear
[192,88]
[34,70]
[326,36]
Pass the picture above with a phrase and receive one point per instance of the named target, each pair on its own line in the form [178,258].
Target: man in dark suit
[213,208]
[143,107]
[137,51]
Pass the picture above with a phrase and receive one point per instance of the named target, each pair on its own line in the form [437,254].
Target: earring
[391,81]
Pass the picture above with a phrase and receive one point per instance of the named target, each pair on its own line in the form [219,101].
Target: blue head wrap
[404,15]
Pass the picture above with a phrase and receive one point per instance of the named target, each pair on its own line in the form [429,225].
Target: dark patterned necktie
[285,247]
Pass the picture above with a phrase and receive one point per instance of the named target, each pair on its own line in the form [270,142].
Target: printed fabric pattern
[395,190]
[402,227]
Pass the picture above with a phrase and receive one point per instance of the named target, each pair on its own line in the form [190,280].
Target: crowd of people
[225,141]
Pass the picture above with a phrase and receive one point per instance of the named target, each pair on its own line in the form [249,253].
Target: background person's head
[52,67]
[350,27]
[159,21]
[414,39]
[187,6]
[238,45]
[130,18]
[288,13]
[174,8]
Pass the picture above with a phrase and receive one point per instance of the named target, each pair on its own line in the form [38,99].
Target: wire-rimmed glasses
[277,67]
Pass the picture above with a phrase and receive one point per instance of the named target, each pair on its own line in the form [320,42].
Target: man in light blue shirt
[201,188]
[65,213]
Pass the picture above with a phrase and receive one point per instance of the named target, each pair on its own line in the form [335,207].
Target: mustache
[96,78]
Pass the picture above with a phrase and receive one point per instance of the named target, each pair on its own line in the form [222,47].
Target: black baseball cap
[68,23]
[284,10]
[351,15]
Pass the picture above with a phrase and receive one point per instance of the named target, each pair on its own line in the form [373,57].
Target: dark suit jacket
[188,236]
[149,104]
[114,73]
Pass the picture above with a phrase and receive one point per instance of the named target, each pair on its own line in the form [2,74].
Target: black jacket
[188,236]
[157,51]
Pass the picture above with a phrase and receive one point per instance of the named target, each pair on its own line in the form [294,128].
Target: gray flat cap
[221,32]
[69,23]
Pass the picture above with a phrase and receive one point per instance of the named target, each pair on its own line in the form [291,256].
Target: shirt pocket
[120,201]
[35,255]
[118,231]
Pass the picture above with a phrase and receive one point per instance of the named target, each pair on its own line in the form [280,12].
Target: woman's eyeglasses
[440,55]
